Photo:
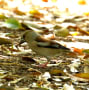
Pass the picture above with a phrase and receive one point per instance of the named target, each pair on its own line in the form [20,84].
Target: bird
[43,46]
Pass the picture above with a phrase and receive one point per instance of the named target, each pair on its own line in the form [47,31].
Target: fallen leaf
[74,33]
[79,51]
[2,16]
[78,29]
[56,72]
[34,72]
[36,13]
[77,78]
[82,75]
[29,59]
[12,23]
[54,1]
[17,11]
[86,51]
[5,41]
[86,13]
[63,32]
[45,0]
[24,88]
[72,54]
[83,32]
[39,83]
[82,2]
[16,80]
[86,56]
[6,88]
[86,69]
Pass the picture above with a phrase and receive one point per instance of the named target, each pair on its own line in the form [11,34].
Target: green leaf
[86,51]
[12,23]
[3,16]
[63,32]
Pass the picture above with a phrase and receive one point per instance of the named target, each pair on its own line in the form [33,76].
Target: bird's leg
[45,64]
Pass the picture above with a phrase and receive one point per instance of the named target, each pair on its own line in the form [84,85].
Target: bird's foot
[43,65]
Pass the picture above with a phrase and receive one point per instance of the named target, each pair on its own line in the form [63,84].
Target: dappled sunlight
[64,6]
[44,44]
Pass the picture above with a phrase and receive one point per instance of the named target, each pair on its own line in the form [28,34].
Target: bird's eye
[23,36]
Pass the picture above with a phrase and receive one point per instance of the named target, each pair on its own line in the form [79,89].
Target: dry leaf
[6,88]
[40,83]
[82,2]
[79,51]
[45,0]
[57,72]
[63,32]
[29,59]
[86,69]
[86,13]
[86,56]
[54,1]
[72,54]
[77,78]
[17,11]
[36,13]
[5,41]
[74,33]
[34,72]
[82,75]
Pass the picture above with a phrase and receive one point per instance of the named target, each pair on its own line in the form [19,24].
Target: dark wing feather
[42,42]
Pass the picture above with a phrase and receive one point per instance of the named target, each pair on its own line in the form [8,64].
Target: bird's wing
[43,42]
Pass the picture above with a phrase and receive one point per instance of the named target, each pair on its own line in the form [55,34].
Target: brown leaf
[10,78]
[5,41]
[56,72]
[76,28]
[17,11]
[34,72]
[6,88]
[72,54]
[29,59]
[82,75]
[39,83]
[86,56]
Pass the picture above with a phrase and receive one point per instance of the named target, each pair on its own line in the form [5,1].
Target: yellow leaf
[82,75]
[36,13]
[74,33]
[54,1]
[82,2]
[57,72]
[86,13]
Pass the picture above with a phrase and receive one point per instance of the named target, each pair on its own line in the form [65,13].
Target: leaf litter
[18,63]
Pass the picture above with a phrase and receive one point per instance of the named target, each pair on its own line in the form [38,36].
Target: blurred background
[59,7]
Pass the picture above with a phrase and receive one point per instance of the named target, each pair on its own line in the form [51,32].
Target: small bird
[43,46]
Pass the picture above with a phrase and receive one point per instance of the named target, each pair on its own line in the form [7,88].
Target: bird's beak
[21,41]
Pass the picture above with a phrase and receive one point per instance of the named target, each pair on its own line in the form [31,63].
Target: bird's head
[28,35]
